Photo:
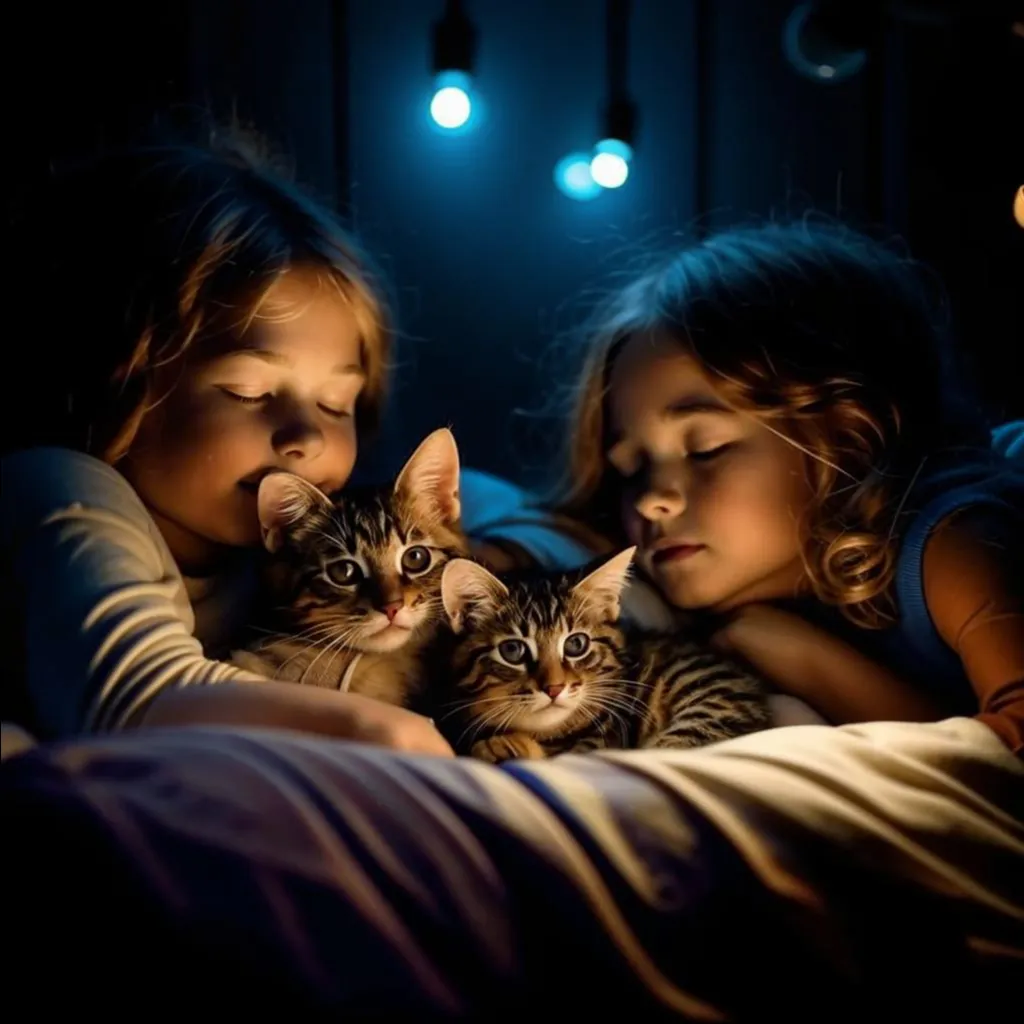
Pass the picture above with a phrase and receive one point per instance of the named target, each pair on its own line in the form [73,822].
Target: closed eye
[327,410]
[337,413]
[246,399]
[710,453]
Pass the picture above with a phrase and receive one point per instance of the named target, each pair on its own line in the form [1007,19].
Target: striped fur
[628,689]
[338,564]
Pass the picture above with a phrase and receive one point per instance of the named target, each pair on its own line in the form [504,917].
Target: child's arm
[974,589]
[273,705]
[103,625]
[829,674]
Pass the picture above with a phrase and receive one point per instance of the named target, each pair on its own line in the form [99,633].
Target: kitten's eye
[345,573]
[416,559]
[514,652]
[576,645]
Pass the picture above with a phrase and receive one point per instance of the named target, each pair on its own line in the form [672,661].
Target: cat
[542,663]
[355,580]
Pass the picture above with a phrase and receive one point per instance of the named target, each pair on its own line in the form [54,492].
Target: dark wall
[86,75]
[488,261]
[487,255]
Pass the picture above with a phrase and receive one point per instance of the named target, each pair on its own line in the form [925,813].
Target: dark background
[488,262]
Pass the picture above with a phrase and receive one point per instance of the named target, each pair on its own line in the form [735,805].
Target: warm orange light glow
[1018,206]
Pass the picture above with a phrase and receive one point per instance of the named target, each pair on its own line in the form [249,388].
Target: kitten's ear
[429,481]
[602,589]
[466,586]
[284,500]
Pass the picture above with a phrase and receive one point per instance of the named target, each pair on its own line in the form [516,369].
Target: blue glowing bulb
[573,177]
[610,164]
[451,105]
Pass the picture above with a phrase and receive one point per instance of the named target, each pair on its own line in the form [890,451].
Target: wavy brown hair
[129,261]
[836,342]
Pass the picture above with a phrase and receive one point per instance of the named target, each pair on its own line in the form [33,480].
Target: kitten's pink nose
[392,609]
[554,689]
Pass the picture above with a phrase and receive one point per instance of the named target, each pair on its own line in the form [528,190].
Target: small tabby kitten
[357,578]
[542,666]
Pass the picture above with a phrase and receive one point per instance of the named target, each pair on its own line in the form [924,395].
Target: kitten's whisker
[490,717]
[277,637]
[626,701]
[612,702]
[317,636]
[333,638]
[457,706]
[318,630]
[332,649]
[594,709]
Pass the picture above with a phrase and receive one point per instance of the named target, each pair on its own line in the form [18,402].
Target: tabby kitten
[542,666]
[356,579]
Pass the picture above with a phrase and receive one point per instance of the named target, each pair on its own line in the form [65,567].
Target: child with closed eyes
[768,420]
[198,322]
[774,418]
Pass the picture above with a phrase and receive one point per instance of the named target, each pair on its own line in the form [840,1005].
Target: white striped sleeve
[100,604]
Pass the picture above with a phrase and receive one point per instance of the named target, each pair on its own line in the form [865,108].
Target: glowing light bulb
[573,177]
[451,105]
[610,163]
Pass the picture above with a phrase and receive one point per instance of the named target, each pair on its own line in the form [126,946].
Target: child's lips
[675,552]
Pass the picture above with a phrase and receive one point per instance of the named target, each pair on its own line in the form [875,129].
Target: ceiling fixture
[614,152]
[583,176]
[454,51]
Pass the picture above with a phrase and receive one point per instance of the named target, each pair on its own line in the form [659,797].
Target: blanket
[858,873]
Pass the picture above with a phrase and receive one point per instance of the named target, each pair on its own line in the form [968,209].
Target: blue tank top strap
[1002,488]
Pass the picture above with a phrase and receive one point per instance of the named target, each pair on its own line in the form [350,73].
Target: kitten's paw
[506,747]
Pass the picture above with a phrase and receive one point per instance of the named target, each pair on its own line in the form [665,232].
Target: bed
[869,872]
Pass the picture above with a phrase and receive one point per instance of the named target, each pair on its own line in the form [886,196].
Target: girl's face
[282,396]
[710,496]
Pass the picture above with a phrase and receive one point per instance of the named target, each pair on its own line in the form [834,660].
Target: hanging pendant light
[454,46]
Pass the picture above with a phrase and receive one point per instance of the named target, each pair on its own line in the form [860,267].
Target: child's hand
[373,721]
[275,705]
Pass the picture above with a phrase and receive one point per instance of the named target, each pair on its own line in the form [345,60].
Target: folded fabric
[871,872]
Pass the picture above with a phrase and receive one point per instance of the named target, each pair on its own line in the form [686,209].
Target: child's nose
[661,505]
[662,498]
[298,436]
